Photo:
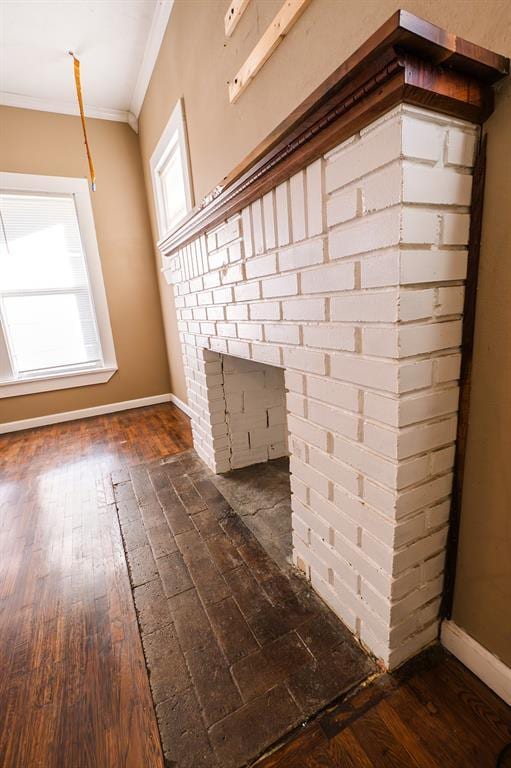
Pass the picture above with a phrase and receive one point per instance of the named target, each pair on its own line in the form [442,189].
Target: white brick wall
[254,410]
[350,277]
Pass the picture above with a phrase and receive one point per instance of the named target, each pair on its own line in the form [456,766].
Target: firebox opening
[257,487]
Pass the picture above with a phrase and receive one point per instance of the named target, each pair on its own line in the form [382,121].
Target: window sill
[14,387]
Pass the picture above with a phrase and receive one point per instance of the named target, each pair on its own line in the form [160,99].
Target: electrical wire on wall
[78,84]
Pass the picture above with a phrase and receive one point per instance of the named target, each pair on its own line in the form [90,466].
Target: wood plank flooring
[433,713]
[73,687]
[73,684]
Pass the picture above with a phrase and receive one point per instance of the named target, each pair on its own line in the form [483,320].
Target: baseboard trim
[85,413]
[183,406]
[480,661]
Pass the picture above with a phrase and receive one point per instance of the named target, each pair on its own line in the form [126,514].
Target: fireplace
[250,401]
[335,265]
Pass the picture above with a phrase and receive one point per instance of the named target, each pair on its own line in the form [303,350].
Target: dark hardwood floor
[240,650]
[73,684]
[433,713]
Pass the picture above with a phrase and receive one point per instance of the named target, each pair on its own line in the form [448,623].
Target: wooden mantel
[408,60]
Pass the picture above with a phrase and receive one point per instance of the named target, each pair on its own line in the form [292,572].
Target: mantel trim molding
[408,60]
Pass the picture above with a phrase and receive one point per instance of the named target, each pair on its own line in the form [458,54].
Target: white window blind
[46,305]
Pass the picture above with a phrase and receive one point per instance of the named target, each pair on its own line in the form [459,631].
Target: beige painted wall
[196,62]
[482,603]
[46,143]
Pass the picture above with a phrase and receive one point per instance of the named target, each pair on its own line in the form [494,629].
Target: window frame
[10,386]
[159,158]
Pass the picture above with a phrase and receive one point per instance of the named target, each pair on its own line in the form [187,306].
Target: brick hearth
[239,651]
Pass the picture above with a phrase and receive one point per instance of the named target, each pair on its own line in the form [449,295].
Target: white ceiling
[117,42]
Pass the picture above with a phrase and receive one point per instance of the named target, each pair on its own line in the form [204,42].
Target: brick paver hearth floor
[239,651]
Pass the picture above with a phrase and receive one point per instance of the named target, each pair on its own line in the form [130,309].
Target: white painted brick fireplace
[349,277]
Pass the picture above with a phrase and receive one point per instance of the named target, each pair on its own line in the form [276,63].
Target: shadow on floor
[261,496]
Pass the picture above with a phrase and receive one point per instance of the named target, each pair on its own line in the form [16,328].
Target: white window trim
[79,188]
[176,122]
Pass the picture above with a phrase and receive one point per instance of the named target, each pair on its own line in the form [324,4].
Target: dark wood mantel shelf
[408,60]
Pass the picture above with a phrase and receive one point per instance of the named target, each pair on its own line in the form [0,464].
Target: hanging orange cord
[82,116]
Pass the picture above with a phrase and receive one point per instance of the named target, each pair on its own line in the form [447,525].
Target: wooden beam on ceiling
[233,15]
[272,37]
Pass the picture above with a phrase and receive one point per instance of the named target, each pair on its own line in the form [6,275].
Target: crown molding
[159,23]
[133,122]
[63,107]
[406,61]
[154,39]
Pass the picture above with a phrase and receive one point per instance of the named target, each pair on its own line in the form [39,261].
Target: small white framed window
[170,172]
[55,328]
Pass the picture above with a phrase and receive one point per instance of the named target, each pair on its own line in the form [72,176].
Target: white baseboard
[85,413]
[183,406]
[481,662]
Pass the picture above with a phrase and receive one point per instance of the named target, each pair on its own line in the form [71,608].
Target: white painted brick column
[350,277]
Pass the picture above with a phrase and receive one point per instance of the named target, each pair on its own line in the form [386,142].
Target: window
[171,174]
[54,325]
